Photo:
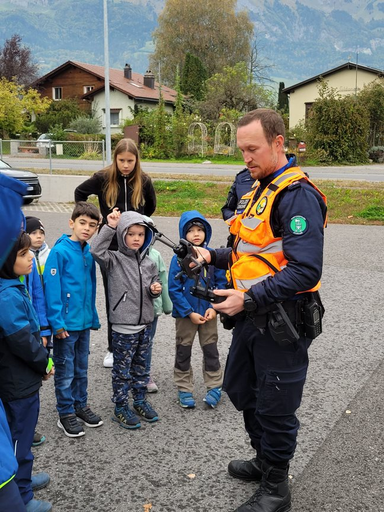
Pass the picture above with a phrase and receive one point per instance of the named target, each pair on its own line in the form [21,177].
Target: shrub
[376,154]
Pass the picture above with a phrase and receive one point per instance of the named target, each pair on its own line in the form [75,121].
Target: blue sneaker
[38,439]
[38,506]
[126,418]
[40,481]
[146,411]
[212,398]
[186,400]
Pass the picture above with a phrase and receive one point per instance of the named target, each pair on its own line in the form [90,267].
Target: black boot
[273,495]
[249,470]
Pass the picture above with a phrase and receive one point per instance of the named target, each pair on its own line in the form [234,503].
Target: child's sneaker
[70,425]
[212,397]
[145,410]
[152,386]
[88,417]
[108,360]
[125,417]
[38,439]
[186,400]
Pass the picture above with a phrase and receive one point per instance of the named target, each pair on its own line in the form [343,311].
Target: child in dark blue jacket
[195,315]
[70,292]
[24,363]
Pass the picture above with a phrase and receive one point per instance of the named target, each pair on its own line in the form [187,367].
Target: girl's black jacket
[96,184]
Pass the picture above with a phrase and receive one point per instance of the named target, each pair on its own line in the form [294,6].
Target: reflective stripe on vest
[254,235]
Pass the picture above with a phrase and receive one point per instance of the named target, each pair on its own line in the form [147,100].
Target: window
[87,88]
[114,116]
[308,107]
[57,93]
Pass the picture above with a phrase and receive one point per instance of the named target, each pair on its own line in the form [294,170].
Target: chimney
[128,72]
[149,79]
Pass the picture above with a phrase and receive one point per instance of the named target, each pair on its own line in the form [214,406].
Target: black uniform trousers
[265,381]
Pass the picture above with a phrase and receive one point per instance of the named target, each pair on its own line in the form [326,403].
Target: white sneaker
[108,360]
[151,386]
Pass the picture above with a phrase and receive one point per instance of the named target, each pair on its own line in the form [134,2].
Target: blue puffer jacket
[179,289]
[23,359]
[70,287]
[8,462]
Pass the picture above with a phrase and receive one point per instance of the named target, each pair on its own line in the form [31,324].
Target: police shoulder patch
[261,205]
[298,225]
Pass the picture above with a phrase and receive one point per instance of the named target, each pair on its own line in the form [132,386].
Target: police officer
[276,264]
[241,185]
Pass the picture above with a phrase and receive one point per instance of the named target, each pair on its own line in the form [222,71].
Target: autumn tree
[17,106]
[232,90]
[16,62]
[211,30]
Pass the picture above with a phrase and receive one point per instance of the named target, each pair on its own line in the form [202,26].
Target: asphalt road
[179,464]
[374,172]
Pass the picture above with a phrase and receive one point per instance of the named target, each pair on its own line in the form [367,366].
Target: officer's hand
[201,255]
[197,319]
[232,305]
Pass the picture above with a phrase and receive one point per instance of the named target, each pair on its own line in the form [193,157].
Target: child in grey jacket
[133,284]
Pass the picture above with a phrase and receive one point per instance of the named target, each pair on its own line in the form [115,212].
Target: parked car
[45,140]
[28,177]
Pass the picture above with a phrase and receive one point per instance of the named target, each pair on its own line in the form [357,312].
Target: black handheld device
[206,293]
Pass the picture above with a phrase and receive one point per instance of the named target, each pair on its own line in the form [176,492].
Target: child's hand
[62,335]
[44,341]
[48,375]
[156,287]
[113,218]
[210,314]
[197,319]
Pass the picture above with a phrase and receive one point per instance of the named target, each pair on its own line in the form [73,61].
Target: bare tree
[16,62]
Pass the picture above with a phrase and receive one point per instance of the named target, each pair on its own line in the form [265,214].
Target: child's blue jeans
[129,372]
[70,356]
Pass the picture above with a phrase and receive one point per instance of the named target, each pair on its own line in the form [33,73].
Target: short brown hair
[271,121]
[84,208]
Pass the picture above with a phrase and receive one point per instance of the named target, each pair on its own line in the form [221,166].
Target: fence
[54,149]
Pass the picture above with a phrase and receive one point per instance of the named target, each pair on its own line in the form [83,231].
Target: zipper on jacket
[122,298]
[67,303]
[141,288]
[125,196]
[39,268]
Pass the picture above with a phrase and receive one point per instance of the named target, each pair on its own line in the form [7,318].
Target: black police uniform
[262,378]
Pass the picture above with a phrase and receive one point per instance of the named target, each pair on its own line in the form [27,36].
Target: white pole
[106,82]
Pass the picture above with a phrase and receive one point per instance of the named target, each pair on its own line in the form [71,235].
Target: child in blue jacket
[24,363]
[195,315]
[70,293]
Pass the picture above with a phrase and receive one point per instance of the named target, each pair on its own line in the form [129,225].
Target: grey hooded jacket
[129,276]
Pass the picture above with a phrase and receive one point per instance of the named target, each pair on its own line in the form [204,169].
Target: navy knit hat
[194,222]
[33,223]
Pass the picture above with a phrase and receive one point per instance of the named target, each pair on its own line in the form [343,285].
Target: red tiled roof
[134,88]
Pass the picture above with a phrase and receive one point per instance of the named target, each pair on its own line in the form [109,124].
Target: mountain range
[295,39]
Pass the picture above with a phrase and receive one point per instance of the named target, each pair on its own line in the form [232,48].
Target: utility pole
[106,88]
[357,63]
